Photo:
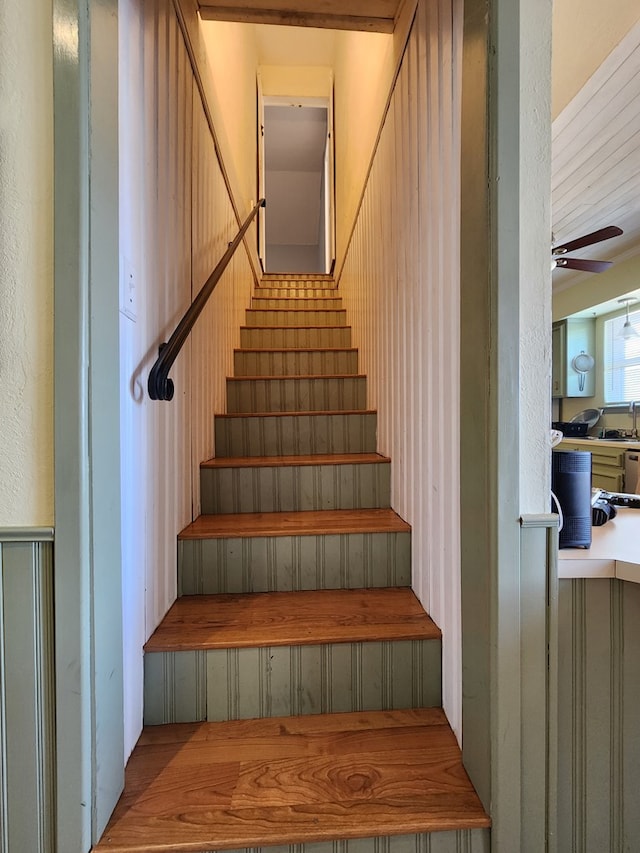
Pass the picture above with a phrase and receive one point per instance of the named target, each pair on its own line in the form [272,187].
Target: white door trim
[320,102]
[88,599]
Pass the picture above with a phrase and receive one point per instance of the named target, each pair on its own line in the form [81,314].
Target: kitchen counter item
[588,416]
[571,429]
[582,364]
[631,472]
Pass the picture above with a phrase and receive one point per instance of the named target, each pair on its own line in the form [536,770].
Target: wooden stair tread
[311,617]
[303,328]
[286,378]
[307,523]
[289,461]
[301,310]
[302,414]
[262,350]
[326,294]
[215,786]
[297,276]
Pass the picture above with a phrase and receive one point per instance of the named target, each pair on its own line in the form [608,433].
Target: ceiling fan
[558,252]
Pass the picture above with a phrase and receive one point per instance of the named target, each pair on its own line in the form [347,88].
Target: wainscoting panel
[27,711]
[599,716]
[538,663]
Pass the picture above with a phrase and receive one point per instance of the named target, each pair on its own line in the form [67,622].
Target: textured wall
[401,292]
[26,264]
[175,222]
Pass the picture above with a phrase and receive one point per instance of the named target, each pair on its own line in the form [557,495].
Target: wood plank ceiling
[596,159]
[366,15]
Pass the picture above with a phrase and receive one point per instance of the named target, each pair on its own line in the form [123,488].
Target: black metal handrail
[160,387]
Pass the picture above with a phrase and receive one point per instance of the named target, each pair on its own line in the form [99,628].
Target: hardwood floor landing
[292,618]
[213,786]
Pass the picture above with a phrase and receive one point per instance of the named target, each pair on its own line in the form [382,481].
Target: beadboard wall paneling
[175,222]
[156,94]
[460,841]
[599,723]
[538,679]
[400,287]
[27,712]
[217,332]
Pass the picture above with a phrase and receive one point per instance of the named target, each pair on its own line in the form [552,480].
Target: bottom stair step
[294,780]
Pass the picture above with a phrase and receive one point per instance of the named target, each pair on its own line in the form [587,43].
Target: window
[621,361]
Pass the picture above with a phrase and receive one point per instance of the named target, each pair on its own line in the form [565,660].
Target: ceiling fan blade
[583,264]
[588,239]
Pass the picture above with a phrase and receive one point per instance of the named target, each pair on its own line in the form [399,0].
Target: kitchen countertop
[614,551]
[633,444]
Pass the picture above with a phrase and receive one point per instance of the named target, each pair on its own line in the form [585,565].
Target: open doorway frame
[328,227]
[88,582]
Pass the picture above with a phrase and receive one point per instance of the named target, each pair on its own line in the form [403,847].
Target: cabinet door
[569,339]
[566,444]
[559,361]
[608,456]
[609,479]
[580,339]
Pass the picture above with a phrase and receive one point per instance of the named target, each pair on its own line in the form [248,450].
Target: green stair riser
[455,841]
[296,435]
[295,302]
[274,681]
[296,318]
[295,293]
[294,488]
[294,394]
[295,337]
[293,281]
[282,563]
[284,363]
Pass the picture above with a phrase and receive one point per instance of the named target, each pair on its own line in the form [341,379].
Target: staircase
[292,692]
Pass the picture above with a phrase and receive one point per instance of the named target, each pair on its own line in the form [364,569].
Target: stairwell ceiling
[366,15]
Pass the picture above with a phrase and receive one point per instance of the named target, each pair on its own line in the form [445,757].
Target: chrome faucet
[633,410]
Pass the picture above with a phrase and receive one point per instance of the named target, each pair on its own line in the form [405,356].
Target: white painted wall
[232,59]
[176,220]
[364,65]
[301,81]
[584,33]
[364,68]
[401,289]
[26,264]
[622,278]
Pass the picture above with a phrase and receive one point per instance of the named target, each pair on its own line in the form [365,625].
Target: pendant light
[627,331]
